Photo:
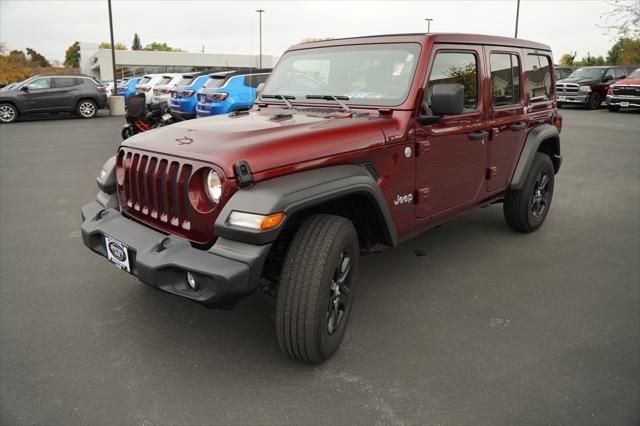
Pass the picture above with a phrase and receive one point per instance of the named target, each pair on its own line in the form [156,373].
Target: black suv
[53,93]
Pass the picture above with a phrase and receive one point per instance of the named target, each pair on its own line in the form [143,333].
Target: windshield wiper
[285,99]
[338,99]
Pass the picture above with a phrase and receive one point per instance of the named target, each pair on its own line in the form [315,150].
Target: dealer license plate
[117,253]
[562,98]
[624,104]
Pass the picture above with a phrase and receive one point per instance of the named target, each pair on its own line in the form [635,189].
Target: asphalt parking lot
[489,328]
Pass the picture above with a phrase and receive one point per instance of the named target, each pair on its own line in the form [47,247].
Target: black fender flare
[296,192]
[535,138]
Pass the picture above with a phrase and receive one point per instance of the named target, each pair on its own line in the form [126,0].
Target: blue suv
[184,98]
[127,86]
[229,91]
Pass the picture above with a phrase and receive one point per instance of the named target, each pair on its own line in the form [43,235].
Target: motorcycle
[141,118]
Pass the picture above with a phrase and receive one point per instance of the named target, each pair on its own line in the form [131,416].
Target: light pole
[428,24]
[260,12]
[517,16]
[113,51]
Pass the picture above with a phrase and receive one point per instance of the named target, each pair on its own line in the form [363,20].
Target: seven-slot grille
[564,88]
[626,90]
[157,188]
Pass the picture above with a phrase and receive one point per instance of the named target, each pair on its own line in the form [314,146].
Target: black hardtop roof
[244,71]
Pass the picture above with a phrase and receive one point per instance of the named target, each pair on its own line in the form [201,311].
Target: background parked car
[184,98]
[127,86]
[588,86]
[109,86]
[81,94]
[625,93]
[563,72]
[150,81]
[162,92]
[228,91]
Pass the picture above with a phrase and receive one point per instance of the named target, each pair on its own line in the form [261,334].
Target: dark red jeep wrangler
[353,144]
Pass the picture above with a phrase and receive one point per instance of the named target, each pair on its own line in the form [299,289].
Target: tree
[591,60]
[107,45]
[136,42]
[162,47]
[623,20]
[3,47]
[36,59]
[17,57]
[72,55]
[568,59]
[625,51]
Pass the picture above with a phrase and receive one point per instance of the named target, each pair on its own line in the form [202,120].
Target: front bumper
[577,98]
[226,272]
[633,101]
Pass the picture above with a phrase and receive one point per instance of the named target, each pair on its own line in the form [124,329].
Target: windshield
[587,73]
[635,74]
[370,74]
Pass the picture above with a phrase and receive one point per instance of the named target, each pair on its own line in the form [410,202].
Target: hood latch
[243,173]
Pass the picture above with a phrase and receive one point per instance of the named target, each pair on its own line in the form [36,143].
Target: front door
[452,155]
[38,96]
[506,117]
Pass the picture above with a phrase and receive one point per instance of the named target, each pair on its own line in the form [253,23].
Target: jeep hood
[266,141]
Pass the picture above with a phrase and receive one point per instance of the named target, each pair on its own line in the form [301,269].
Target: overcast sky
[50,26]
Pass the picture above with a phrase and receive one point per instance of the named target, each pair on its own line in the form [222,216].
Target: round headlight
[213,186]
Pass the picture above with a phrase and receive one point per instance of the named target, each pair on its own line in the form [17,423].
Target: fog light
[191,279]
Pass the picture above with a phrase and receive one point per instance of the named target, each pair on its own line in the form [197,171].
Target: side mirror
[447,99]
[24,88]
[608,78]
[259,89]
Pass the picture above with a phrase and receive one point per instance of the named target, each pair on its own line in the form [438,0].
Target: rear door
[64,91]
[452,155]
[506,115]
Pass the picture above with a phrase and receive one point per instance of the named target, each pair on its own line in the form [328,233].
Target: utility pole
[517,17]
[428,24]
[113,50]
[260,12]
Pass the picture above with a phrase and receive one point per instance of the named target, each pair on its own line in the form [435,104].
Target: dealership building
[97,62]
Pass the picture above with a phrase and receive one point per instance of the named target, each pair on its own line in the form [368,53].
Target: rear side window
[66,82]
[539,78]
[456,67]
[41,83]
[185,81]
[214,82]
[620,73]
[505,79]
[253,80]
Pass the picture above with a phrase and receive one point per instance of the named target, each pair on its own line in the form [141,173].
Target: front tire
[8,113]
[316,289]
[594,102]
[87,108]
[526,209]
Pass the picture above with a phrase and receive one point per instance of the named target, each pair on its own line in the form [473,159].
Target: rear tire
[8,113]
[316,289]
[87,108]
[614,108]
[525,209]
[595,100]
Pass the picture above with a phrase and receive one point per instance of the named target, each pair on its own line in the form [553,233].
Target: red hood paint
[264,141]
[628,81]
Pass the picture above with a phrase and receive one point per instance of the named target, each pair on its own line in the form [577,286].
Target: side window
[620,73]
[452,68]
[609,75]
[505,79]
[41,83]
[253,80]
[539,78]
[65,82]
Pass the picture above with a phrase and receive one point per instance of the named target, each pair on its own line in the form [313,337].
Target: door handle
[480,135]
[518,127]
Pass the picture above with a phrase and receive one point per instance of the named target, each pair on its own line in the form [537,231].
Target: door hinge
[422,194]
[423,147]
[492,172]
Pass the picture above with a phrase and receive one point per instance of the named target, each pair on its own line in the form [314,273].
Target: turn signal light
[609,91]
[558,122]
[257,222]
[217,96]
[187,92]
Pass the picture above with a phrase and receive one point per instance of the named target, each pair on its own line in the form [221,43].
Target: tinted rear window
[164,80]
[61,82]
[253,80]
[185,81]
[214,82]
[144,80]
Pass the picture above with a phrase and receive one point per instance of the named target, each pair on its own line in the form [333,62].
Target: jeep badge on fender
[352,143]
